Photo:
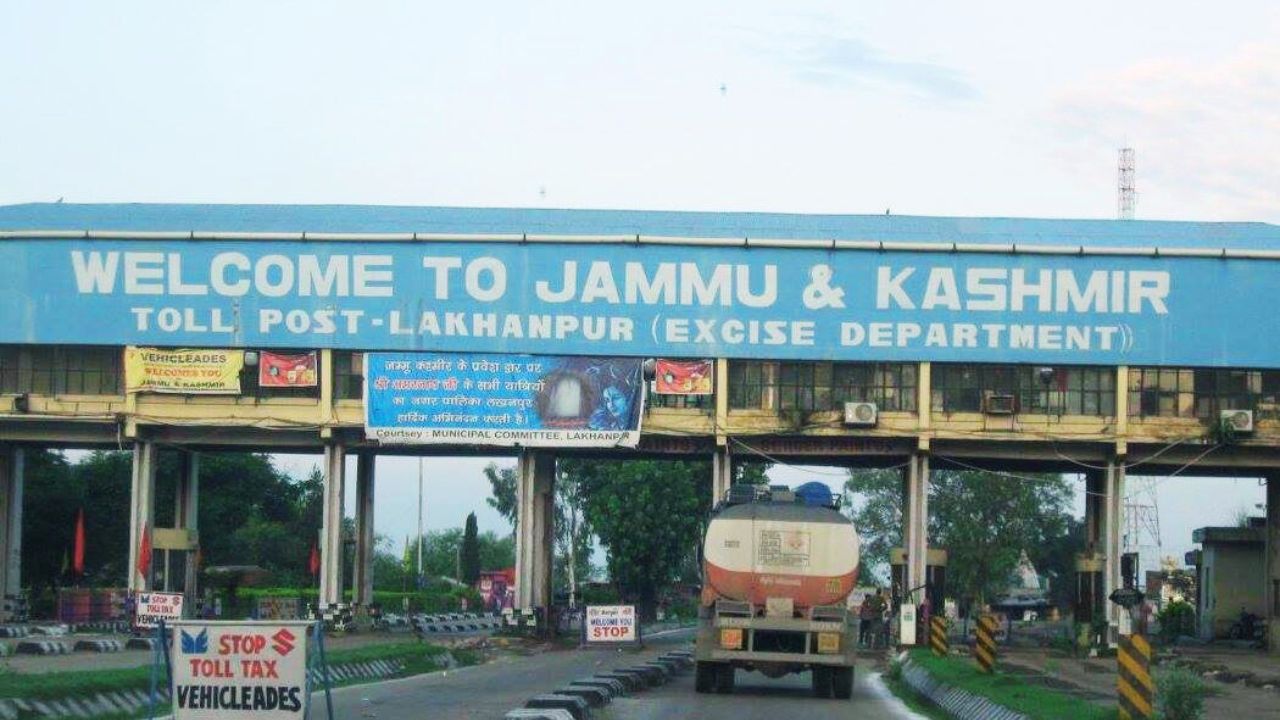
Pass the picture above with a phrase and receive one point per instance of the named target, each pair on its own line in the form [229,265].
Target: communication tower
[1141,529]
[1126,191]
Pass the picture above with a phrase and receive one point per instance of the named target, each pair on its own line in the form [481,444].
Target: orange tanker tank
[756,551]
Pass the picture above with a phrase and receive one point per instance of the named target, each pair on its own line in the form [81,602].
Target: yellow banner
[186,372]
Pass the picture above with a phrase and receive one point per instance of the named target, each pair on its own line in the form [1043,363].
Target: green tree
[250,513]
[874,501]
[496,552]
[54,495]
[470,558]
[572,532]
[648,515]
[983,520]
[502,484]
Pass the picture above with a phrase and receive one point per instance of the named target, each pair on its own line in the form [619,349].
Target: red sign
[684,377]
[276,370]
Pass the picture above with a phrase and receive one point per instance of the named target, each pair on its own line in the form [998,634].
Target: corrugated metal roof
[536,221]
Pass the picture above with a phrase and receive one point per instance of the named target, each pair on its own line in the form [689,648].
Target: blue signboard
[643,300]
[511,400]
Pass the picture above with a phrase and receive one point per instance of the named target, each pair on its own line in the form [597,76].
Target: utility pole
[419,523]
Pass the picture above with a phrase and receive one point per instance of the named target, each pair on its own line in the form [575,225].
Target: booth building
[1094,347]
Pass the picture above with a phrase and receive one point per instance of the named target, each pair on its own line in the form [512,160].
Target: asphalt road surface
[756,696]
[490,690]
[485,691]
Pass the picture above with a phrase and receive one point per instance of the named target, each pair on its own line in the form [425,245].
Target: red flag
[77,555]
[144,551]
[315,560]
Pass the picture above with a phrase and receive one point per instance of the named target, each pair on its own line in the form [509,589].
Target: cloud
[842,59]
[1207,134]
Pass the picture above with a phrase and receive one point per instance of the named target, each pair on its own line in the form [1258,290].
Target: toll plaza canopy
[630,283]
[1131,234]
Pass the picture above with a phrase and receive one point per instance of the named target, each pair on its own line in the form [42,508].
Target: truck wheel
[821,681]
[842,683]
[724,679]
[704,677]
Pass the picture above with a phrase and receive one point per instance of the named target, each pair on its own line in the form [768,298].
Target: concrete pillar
[186,515]
[1273,563]
[721,474]
[11,487]
[335,457]
[535,525]
[1095,486]
[142,511]
[915,524]
[1112,532]
[364,529]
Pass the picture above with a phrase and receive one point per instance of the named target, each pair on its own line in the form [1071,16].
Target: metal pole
[419,523]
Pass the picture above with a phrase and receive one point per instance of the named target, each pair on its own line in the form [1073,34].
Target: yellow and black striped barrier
[984,649]
[938,636]
[1134,685]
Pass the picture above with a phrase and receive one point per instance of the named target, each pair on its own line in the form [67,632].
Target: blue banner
[643,300]
[510,400]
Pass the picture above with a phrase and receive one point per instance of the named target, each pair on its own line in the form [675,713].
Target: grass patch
[1010,691]
[417,658]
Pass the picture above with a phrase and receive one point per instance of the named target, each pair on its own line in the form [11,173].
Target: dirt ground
[1245,683]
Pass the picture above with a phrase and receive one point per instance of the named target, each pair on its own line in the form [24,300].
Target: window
[1036,389]
[348,375]
[1203,393]
[804,386]
[891,386]
[750,383]
[1162,392]
[820,386]
[73,370]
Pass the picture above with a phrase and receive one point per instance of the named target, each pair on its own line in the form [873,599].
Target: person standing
[866,618]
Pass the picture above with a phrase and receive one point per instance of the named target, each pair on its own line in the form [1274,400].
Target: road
[484,691]
[490,690]
[757,696]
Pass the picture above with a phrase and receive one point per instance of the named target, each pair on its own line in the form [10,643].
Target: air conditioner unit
[864,414]
[1000,405]
[1240,421]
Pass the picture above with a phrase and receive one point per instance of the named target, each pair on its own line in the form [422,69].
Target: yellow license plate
[828,643]
[731,638]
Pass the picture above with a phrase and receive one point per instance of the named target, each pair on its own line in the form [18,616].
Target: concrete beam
[11,491]
[364,529]
[335,457]
[142,511]
[535,528]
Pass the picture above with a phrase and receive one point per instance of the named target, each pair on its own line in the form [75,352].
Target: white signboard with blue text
[643,300]
[240,669]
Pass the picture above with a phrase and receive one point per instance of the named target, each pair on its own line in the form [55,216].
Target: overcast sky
[937,108]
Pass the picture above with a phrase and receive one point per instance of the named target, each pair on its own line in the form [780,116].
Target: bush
[1176,618]
[1180,695]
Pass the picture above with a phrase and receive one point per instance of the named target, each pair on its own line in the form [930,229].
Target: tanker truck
[778,567]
